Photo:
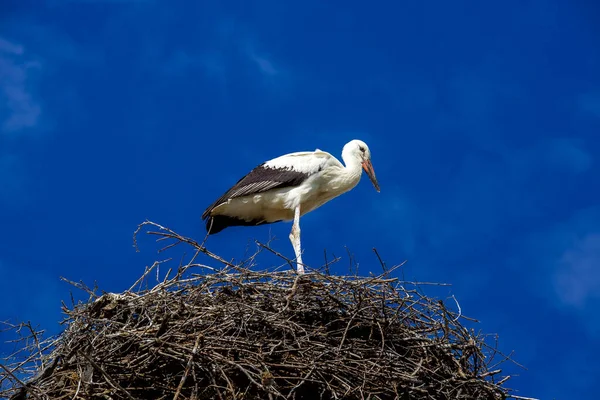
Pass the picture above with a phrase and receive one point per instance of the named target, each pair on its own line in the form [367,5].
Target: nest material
[239,334]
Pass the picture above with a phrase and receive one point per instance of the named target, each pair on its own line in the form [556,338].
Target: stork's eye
[361,148]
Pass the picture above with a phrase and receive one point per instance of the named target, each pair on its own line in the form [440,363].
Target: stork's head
[359,151]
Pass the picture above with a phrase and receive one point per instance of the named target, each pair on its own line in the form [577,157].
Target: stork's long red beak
[368,167]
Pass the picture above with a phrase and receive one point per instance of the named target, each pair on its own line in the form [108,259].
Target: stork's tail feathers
[216,223]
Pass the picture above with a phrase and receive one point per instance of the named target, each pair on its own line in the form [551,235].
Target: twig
[188,367]
[106,376]
[23,385]
[381,262]
[233,330]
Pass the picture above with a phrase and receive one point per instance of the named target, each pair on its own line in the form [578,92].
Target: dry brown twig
[233,333]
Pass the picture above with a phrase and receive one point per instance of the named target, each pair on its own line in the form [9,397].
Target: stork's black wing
[260,179]
[285,171]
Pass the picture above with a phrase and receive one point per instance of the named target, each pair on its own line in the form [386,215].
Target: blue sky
[482,120]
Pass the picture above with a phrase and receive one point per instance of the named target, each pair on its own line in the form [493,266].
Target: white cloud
[232,50]
[562,266]
[568,154]
[19,111]
[264,64]
[8,47]
[18,107]
[577,277]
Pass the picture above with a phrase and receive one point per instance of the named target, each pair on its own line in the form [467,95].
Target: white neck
[352,170]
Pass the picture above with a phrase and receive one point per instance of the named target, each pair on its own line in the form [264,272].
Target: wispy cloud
[271,72]
[9,47]
[491,185]
[211,64]
[562,265]
[233,52]
[568,154]
[577,276]
[589,103]
[243,47]
[18,107]
[264,64]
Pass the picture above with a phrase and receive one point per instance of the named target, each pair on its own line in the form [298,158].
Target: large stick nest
[235,333]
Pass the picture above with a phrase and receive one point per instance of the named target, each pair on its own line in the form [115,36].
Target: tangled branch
[233,333]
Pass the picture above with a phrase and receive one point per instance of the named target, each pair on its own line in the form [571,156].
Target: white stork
[289,186]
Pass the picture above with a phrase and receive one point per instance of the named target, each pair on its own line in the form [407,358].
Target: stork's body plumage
[289,186]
